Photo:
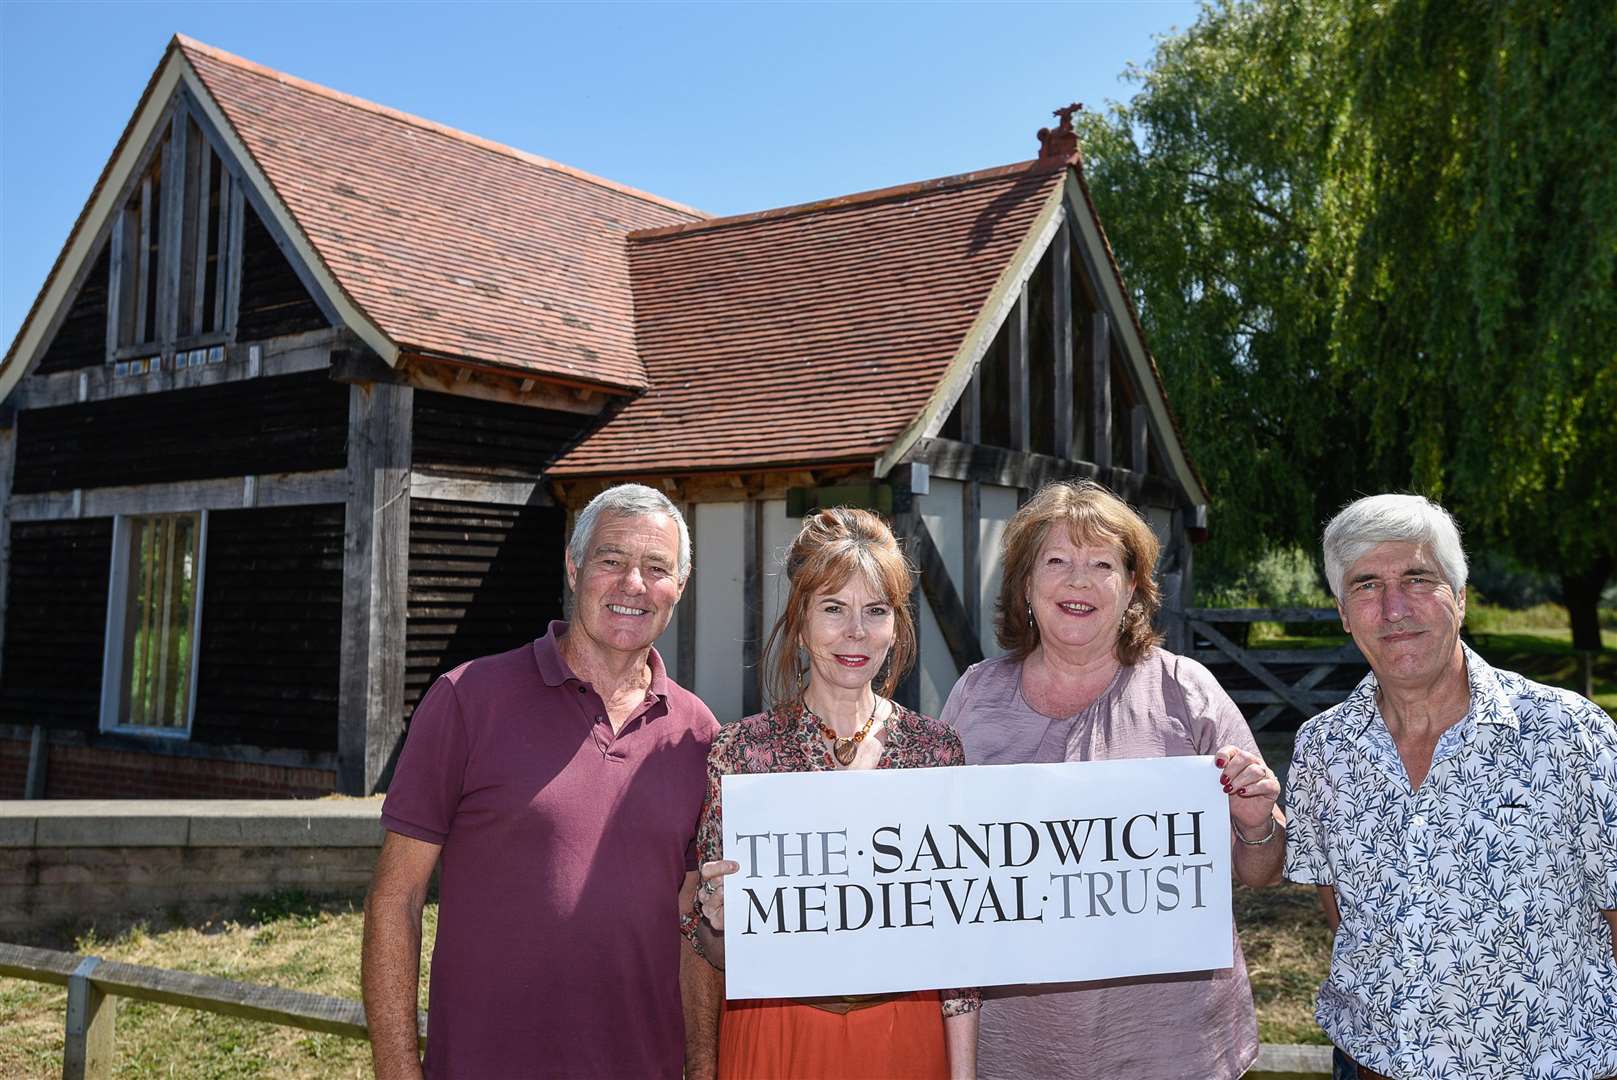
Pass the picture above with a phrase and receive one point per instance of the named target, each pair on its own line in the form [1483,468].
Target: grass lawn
[290,942]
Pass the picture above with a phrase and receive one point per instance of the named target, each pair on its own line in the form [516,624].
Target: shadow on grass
[294,907]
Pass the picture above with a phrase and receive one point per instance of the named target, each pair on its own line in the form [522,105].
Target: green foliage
[1374,246]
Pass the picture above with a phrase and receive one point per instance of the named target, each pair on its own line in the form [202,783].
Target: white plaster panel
[937,668]
[778,531]
[942,511]
[996,507]
[719,561]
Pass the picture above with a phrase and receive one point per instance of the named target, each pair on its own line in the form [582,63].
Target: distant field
[291,942]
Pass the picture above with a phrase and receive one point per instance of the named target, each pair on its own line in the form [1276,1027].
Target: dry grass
[285,940]
[1288,950]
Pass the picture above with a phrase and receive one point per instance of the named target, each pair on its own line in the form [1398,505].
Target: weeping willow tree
[1375,247]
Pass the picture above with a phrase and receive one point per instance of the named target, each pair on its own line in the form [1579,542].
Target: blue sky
[726,107]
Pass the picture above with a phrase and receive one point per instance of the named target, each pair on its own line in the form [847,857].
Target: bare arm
[960,1038]
[1253,790]
[390,964]
[701,989]
[1327,902]
[1611,917]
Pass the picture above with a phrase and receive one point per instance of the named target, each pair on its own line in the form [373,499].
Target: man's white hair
[628,500]
[1382,519]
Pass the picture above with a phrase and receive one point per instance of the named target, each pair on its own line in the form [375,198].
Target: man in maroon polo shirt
[559,786]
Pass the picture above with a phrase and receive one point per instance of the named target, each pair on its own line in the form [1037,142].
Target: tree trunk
[1581,594]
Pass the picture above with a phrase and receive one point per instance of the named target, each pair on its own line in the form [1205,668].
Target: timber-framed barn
[299,417]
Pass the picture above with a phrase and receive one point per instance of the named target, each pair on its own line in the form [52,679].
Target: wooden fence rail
[94,984]
[1277,693]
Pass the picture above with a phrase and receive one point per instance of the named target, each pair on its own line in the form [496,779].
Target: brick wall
[69,864]
[89,772]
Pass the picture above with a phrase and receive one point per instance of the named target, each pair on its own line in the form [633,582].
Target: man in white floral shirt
[1461,825]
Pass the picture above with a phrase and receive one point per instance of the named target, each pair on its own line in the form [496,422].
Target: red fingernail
[1219,762]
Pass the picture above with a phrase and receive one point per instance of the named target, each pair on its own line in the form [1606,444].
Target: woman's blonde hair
[1092,515]
[831,547]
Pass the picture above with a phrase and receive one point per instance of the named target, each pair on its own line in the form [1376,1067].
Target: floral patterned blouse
[787,739]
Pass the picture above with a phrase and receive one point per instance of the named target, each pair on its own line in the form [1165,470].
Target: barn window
[171,250]
[154,614]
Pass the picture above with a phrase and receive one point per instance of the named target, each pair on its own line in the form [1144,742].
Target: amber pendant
[845,749]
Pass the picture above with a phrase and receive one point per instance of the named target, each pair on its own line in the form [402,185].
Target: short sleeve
[1595,783]
[959,698]
[425,790]
[709,842]
[1214,717]
[1307,861]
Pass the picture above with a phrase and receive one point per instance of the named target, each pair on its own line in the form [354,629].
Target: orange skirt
[776,1039]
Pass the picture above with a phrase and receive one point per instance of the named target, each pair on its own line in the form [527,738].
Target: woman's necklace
[844,748]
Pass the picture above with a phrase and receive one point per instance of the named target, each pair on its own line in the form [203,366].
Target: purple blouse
[1197,1024]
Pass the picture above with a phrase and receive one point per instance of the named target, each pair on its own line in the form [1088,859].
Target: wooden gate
[1288,678]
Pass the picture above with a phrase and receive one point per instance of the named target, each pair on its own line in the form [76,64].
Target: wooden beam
[429,484]
[221,268]
[953,460]
[971,409]
[232,286]
[949,612]
[8,457]
[169,256]
[199,255]
[905,519]
[224,997]
[1139,440]
[1021,419]
[278,356]
[219,493]
[752,595]
[143,261]
[1061,336]
[1276,614]
[1100,389]
[376,547]
[686,614]
[117,255]
[971,507]
[39,755]
[91,1012]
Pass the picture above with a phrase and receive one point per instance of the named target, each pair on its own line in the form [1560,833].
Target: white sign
[873,881]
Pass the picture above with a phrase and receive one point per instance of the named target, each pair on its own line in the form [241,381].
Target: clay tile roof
[452,245]
[811,334]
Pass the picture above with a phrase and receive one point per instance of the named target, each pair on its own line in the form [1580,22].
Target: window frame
[112,650]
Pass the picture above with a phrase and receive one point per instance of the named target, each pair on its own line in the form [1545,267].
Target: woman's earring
[1030,615]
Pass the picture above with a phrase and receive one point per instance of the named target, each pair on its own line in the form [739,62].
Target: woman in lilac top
[1083,679]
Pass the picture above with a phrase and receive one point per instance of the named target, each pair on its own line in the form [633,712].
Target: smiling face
[847,633]
[624,594]
[1402,614]
[1078,592]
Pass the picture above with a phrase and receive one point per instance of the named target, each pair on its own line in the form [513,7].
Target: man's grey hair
[628,500]
[1382,519]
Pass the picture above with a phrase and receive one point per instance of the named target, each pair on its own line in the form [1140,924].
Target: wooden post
[1061,337]
[376,547]
[1100,386]
[38,761]
[905,515]
[971,432]
[87,1051]
[1139,440]
[8,455]
[230,281]
[686,612]
[752,594]
[1021,429]
[169,256]
[117,255]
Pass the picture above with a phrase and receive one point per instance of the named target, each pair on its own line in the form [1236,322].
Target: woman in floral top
[844,638]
